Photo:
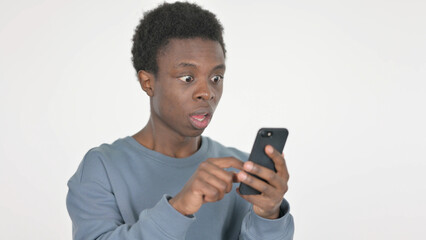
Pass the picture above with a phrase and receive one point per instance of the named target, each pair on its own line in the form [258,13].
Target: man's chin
[196,132]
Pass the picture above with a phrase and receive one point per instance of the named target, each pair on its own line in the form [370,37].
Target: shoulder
[224,151]
[95,161]
[119,147]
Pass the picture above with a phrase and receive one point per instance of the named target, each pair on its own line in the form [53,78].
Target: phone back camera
[266,133]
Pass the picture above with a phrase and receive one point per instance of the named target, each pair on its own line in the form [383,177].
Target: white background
[347,78]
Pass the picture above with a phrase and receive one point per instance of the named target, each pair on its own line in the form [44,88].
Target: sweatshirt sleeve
[255,227]
[95,215]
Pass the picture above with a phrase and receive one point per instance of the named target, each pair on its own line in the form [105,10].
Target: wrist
[268,215]
[273,216]
[175,204]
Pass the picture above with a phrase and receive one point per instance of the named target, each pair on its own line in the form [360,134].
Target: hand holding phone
[276,137]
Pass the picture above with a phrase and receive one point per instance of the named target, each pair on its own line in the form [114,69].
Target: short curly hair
[181,20]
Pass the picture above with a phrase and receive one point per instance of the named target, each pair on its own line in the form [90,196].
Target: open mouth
[200,120]
[200,117]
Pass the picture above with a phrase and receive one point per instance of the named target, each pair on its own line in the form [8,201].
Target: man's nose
[204,91]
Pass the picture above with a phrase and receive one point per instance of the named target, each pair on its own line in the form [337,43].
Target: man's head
[179,55]
[179,20]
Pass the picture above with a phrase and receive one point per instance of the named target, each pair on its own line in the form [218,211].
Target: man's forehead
[191,52]
[189,45]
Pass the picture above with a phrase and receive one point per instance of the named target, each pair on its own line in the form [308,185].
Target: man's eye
[187,79]
[217,79]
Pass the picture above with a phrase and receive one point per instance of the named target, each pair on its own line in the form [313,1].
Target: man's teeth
[202,118]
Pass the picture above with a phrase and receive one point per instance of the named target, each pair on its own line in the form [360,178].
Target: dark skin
[190,81]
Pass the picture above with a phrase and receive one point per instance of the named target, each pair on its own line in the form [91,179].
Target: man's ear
[146,79]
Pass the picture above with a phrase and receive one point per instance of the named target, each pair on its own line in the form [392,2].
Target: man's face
[188,85]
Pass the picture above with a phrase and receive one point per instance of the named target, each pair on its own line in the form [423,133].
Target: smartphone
[275,137]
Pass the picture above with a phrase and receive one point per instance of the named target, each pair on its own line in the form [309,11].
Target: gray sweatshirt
[121,191]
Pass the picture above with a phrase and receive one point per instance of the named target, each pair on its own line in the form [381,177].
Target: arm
[95,215]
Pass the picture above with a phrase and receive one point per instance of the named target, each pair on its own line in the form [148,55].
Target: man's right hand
[209,183]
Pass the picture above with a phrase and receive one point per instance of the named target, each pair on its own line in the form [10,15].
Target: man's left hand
[267,204]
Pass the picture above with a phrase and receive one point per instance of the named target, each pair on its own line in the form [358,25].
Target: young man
[167,181]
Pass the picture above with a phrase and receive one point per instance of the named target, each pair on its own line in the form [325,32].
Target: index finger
[278,159]
[227,162]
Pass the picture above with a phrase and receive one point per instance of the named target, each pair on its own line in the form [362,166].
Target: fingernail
[269,149]
[243,176]
[248,166]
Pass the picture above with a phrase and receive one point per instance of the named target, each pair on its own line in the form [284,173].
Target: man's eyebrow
[184,64]
[220,66]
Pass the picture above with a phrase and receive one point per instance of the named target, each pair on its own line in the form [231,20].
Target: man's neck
[162,139]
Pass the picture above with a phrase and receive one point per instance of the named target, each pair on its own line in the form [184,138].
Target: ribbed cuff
[263,228]
[169,220]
